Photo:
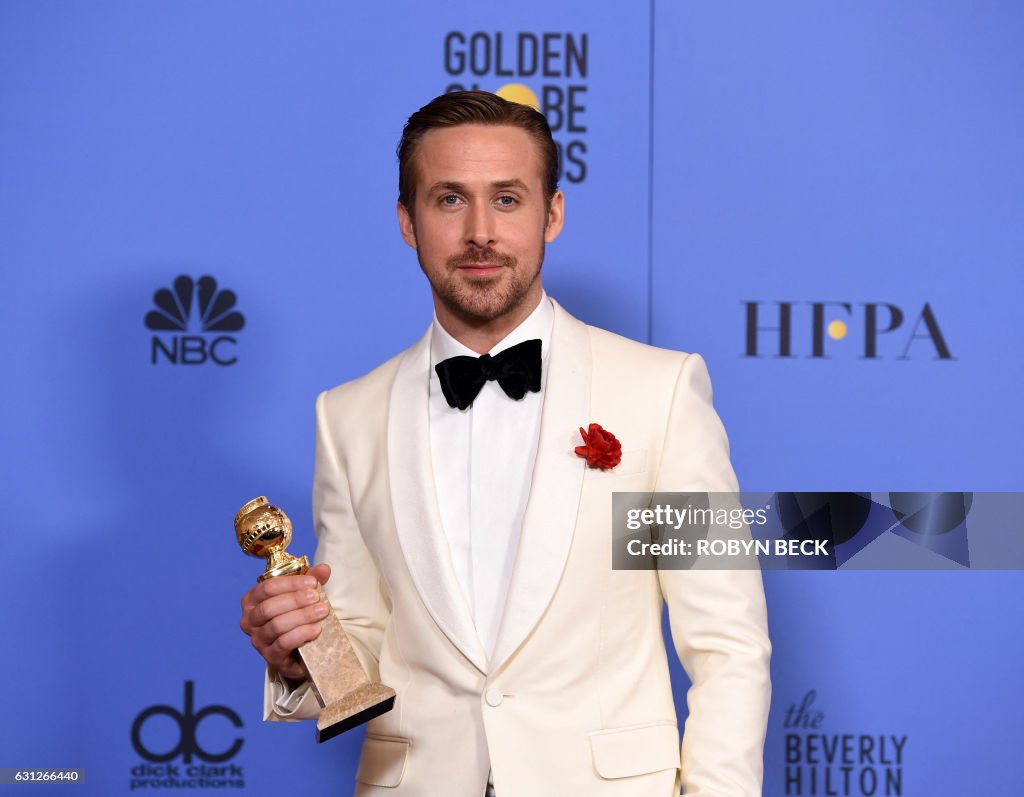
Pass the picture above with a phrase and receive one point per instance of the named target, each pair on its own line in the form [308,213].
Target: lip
[480,269]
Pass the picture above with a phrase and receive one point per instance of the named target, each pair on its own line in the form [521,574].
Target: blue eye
[449,199]
[506,201]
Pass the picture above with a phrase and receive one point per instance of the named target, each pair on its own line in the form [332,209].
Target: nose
[480,227]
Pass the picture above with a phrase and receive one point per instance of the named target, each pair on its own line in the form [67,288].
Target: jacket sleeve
[355,590]
[718,617]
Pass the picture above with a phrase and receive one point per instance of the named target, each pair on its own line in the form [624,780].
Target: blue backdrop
[824,199]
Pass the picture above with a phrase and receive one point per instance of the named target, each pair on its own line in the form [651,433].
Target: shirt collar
[537,324]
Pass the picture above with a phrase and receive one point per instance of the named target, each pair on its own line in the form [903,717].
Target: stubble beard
[479,300]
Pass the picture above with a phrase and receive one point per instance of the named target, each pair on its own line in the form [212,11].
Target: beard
[482,299]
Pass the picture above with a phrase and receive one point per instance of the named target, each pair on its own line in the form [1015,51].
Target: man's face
[480,221]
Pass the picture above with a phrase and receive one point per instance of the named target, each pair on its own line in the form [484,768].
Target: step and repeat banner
[198,234]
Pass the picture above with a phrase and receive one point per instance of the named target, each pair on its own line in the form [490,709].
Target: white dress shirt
[483,460]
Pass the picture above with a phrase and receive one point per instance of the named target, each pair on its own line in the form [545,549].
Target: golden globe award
[347,697]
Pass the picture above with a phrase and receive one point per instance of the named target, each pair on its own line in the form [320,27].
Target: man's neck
[482,336]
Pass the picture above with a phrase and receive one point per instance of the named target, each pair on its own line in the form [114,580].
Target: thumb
[321,572]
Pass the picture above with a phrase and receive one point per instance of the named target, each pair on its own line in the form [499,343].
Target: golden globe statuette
[347,697]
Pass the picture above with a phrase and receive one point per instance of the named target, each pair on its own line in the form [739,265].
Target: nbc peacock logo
[196,314]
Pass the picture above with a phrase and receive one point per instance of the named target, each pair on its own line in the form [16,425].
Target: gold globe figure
[264,530]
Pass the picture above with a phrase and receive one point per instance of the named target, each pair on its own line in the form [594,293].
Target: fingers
[281,647]
[321,572]
[282,614]
[277,586]
[281,626]
[276,606]
[270,588]
[278,640]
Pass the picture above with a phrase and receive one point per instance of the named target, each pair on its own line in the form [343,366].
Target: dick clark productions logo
[194,317]
[174,733]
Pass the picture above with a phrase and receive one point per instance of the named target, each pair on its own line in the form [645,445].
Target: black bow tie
[517,370]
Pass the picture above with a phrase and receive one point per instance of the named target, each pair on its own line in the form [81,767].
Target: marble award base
[347,697]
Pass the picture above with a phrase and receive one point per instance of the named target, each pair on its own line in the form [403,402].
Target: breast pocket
[633,461]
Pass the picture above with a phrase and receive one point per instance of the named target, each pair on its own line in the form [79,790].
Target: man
[470,541]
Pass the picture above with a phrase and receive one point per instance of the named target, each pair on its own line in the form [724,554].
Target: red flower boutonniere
[601,448]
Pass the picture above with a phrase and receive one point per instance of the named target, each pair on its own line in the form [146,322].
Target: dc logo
[187,721]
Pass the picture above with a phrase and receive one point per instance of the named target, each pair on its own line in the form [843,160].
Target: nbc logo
[194,306]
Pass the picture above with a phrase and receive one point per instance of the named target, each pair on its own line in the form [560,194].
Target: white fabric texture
[483,460]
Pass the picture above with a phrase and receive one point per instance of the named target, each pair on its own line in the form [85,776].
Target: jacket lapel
[414,503]
[551,511]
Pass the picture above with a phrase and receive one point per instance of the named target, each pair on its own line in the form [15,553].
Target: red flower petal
[602,449]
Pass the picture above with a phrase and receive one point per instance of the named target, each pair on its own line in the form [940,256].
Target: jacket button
[494,697]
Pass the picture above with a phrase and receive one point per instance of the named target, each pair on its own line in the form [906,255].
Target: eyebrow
[448,185]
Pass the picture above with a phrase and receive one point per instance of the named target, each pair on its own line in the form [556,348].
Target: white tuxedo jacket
[576,699]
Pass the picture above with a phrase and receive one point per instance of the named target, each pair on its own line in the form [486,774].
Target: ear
[406,226]
[556,217]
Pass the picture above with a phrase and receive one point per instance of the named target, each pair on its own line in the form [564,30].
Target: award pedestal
[347,697]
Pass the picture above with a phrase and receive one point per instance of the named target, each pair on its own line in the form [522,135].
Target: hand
[282,614]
